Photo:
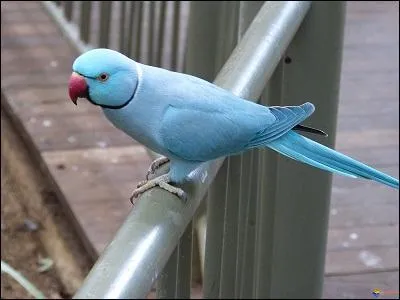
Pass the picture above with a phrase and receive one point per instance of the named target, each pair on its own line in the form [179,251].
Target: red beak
[77,87]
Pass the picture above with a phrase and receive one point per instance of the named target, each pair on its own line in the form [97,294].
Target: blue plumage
[190,120]
[307,151]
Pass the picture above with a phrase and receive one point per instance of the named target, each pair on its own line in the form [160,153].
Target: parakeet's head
[105,77]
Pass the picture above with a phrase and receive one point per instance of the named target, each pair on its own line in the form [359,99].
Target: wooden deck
[96,166]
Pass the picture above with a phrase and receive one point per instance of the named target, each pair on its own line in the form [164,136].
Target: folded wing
[200,134]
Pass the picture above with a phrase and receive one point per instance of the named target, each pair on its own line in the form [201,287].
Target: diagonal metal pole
[68,29]
[132,262]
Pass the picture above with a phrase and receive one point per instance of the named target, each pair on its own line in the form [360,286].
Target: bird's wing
[204,132]
[287,117]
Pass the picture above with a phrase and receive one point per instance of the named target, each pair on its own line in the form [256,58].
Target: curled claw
[141,183]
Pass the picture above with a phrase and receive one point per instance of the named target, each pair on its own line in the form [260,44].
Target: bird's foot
[161,181]
[156,165]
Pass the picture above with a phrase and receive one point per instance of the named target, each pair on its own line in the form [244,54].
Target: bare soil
[21,247]
[35,225]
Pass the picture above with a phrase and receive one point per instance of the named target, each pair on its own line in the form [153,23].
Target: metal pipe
[132,262]
[160,34]
[301,195]
[139,9]
[122,35]
[175,35]
[105,23]
[176,278]
[150,32]
[68,9]
[85,21]
[131,27]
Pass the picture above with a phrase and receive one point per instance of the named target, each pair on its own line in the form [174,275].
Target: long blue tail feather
[302,149]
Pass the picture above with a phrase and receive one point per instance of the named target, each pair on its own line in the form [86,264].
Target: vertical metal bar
[214,235]
[229,38]
[203,39]
[265,217]
[250,261]
[246,284]
[214,285]
[150,35]
[130,28]
[303,195]
[175,35]
[104,23]
[175,279]
[68,9]
[247,11]
[160,32]
[156,25]
[221,53]
[184,37]
[184,278]
[217,281]
[122,35]
[85,20]
[201,230]
[166,284]
[138,29]
[246,165]
[230,227]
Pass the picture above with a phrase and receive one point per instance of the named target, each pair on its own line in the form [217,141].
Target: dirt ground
[34,226]
[20,247]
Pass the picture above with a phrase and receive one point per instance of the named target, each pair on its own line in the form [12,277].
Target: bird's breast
[141,124]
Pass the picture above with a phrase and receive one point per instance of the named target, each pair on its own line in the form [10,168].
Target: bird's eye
[103,77]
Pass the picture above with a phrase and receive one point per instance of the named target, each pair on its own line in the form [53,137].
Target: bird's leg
[161,181]
[156,164]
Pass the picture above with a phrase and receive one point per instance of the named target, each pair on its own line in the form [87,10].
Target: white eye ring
[103,77]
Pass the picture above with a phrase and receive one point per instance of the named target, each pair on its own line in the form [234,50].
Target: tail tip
[396,184]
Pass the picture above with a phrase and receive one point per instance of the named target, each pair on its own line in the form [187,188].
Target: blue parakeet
[190,121]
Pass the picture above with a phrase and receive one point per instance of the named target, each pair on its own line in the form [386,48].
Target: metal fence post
[176,278]
[217,278]
[85,20]
[293,216]
[202,39]
[104,23]
[247,164]
[202,48]
[68,9]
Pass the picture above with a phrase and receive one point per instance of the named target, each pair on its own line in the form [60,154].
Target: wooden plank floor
[364,222]
[96,166]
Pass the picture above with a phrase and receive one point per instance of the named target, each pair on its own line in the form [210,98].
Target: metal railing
[151,32]
[267,217]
